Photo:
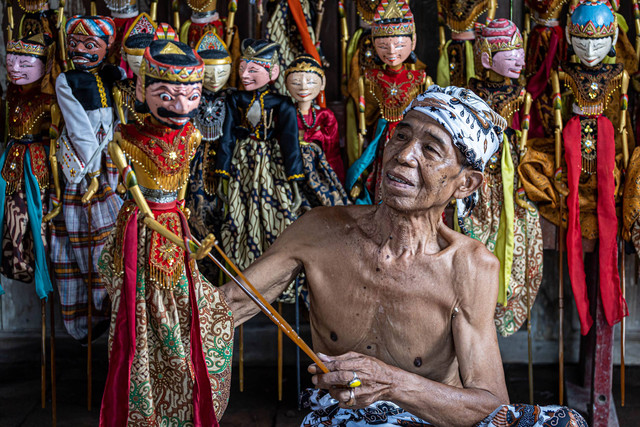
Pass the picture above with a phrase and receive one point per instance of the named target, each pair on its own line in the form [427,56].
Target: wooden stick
[241,357]
[280,357]
[319,14]
[529,343]
[43,352]
[622,326]
[52,356]
[89,311]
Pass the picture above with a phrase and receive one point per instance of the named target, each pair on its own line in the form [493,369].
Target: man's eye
[165,97]
[194,97]
[402,136]
[90,45]
[25,65]
[72,44]
[429,147]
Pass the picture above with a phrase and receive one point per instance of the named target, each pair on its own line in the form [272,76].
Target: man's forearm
[441,404]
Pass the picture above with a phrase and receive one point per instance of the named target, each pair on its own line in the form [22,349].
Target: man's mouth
[303,95]
[399,179]
[178,120]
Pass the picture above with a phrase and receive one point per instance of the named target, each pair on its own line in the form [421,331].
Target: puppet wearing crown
[26,174]
[456,64]
[585,166]
[318,134]
[90,205]
[387,90]
[504,219]
[175,363]
[202,200]
[259,153]
[136,40]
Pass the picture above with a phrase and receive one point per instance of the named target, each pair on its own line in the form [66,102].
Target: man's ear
[471,180]
[139,90]
[324,83]
[275,72]
[486,60]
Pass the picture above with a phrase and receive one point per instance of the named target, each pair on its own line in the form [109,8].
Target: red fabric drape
[615,307]
[301,22]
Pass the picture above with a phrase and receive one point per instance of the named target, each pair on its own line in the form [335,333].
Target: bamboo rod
[241,357]
[89,312]
[52,356]
[622,326]
[43,352]
[280,357]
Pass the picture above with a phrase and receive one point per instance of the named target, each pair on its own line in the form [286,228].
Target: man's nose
[13,66]
[181,104]
[407,154]
[244,74]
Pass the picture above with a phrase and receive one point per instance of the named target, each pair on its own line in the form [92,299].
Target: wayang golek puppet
[137,38]
[384,92]
[504,219]
[592,154]
[259,154]
[90,205]
[26,174]
[456,64]
[207,210]
[171,332]
[318,135]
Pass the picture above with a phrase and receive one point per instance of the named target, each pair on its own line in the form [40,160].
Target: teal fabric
[365,160]
[34,210]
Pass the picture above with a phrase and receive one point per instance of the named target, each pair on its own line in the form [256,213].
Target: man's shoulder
[470,256]
[325,220]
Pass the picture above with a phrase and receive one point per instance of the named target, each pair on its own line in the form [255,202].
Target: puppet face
[173,104]
[591,51]
[134,62]
[23,69]
[86,52]
[393,51]
[255,76]
[506,63]
[216,76]
[304,86]
[422,168]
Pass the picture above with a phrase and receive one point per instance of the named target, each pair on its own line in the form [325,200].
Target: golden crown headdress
[592,19]
[33,46]
[393,18]
[304,63]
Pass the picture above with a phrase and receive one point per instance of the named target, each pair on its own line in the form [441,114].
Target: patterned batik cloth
[70,247]
[325,412]
[321,186]
[260,204]
[483,225]
[162,373]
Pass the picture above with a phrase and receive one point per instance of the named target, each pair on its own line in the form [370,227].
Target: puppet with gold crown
[171,331]
[504,219]
[259,157]
[26,174]
[203,202]
[385,91]
[586,164]
[136,40]
[456,64]
[318,134]
[90,205]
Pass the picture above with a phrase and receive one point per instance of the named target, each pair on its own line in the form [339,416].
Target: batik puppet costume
[137,38]
[476,130]
[385,92]
[90,205]
[259,156]
[456,64]
[170,341]
[592,154]
[318,135]
[207,210]
[26,176]
[505,220]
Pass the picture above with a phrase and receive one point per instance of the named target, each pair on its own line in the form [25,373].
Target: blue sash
[366,159]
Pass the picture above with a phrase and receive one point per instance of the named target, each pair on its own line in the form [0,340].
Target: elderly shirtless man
[399,301]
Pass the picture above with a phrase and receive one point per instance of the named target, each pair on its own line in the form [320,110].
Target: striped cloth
[70,248]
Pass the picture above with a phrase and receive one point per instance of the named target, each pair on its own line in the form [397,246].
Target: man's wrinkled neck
[408,233]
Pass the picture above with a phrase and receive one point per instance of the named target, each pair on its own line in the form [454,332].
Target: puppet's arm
[53,160]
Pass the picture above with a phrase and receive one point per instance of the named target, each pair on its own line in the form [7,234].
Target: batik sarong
[71,243]
[325,412]
[321,187]
[169,364]
[260,203]
[485,224]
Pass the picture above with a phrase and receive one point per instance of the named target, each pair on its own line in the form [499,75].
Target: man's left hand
[376,378]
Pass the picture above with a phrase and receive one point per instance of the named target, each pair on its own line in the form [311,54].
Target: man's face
[173,104]
[393,51]
[591,51]
[216,76]
[23,69]
[304,86]
[508,63]
[254,76]
[421,166]
[86,52]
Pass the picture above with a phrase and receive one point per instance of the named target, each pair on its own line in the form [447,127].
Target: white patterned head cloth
[476,130]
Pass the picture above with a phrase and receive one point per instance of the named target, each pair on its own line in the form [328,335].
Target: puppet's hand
[57,208]
[205,247]
[91,191]
[376,379]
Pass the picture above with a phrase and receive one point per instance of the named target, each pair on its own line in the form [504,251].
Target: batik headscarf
[476,130]
[97,26]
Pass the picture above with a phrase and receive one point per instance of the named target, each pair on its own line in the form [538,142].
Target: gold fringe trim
[596,106]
